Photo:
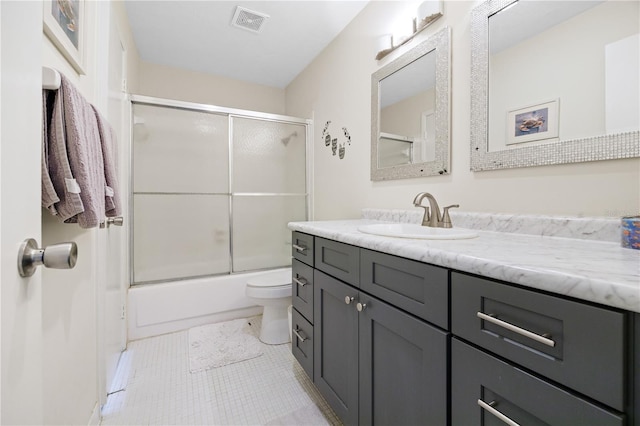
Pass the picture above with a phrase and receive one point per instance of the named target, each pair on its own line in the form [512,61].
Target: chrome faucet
[432,216]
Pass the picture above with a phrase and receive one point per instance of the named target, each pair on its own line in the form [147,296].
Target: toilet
[272,290]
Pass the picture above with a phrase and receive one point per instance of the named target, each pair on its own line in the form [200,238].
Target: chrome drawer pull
[496,413]
[516,329]
[299,248]
[297,332]
[301,282]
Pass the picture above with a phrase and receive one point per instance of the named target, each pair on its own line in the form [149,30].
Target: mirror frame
[596,148]
[440,42]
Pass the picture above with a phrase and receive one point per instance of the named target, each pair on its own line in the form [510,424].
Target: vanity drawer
[339,260]
[416,287]
[579,345]
[302,342]
[477,378]
[302,247]
[302,288]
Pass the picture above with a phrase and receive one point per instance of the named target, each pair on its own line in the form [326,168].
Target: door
[335,349]
[21,335]
[403,367]
[115,245]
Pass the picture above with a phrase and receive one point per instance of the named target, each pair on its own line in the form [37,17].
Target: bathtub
[156,309]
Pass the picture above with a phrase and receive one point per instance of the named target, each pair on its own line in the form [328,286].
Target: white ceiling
[198,36]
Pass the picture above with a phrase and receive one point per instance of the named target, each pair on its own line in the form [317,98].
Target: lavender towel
[61,193]
[49,197]
[84,152]
[109,142]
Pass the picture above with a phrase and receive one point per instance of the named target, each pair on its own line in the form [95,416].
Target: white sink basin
[408,230]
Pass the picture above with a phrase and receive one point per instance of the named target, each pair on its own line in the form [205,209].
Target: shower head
[286,140]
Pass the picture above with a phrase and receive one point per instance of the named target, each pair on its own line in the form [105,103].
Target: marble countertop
[596,271]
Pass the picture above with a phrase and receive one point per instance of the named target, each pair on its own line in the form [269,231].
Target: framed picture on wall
[64,25]
[533,123]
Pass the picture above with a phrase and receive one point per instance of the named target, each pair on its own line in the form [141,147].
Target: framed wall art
[64,25]
[533,123]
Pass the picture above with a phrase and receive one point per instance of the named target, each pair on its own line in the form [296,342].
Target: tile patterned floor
[153,386]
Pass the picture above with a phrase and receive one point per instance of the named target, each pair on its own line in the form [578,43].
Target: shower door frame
[231,113]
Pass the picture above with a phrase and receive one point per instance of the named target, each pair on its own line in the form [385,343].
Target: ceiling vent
[248,19]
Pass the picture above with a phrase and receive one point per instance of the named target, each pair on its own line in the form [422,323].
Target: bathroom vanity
[462,332]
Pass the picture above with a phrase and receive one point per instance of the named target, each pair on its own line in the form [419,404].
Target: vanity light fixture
[427,13]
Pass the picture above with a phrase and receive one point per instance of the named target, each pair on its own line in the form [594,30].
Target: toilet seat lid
[266,284]
[271,279]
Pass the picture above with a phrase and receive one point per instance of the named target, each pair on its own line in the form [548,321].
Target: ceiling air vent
[248,19]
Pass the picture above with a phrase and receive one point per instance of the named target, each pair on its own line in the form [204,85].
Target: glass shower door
[269,190]
[180,193]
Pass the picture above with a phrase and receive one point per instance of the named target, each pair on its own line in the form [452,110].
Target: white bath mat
[215,345]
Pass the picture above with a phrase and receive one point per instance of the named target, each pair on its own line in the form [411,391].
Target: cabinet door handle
[348,299]
[301,282]
[299,248]
[297,332]
[361,307]
[538,338]
[489,407]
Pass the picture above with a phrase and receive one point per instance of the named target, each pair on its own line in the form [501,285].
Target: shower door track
[147,100]
[230,113]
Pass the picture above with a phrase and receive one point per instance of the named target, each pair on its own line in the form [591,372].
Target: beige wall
[172,83]
[336,87]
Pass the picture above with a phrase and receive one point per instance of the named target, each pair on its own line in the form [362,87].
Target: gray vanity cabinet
[374,363]
[489,391]
[302,252]
[403,367]
[396,341]
[302,247]
[540,359]
[335,334]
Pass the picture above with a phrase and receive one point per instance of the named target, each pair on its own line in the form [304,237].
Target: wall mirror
[554,82]
[410,112]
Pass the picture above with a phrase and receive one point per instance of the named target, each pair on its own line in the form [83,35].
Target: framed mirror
[554,82]
[410,103]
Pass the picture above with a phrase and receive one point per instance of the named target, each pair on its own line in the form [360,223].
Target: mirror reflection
[407,107]
[536,96]
[410,113]
[554,82]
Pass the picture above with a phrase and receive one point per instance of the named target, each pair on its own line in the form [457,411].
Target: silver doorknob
[117,221]
[361,307]
[348,299]
[57,256]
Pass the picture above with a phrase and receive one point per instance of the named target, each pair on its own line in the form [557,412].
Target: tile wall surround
[584,228]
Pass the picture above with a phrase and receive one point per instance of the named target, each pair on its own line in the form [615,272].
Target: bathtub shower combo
[212,192]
